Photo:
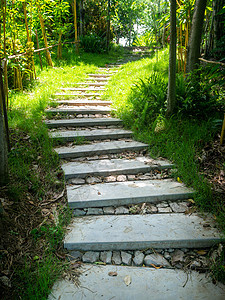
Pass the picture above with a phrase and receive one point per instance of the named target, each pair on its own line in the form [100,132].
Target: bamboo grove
[29,27]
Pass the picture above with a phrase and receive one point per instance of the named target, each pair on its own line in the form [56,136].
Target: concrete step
[96,283]
[83,122]
[82,89]
[99,79]
[99,75]
[90,135]
[108,167]
[84,102]
[125,193]
[99,149]
[75,95]
[80,110]
[97,84]
[137,232]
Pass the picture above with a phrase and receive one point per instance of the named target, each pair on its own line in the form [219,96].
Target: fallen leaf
[75,265]
[191,200]
[127,280]
[31,202]
[100,263]
[179,180]
[202,252]
[112,274]
[99,193]
[154,266]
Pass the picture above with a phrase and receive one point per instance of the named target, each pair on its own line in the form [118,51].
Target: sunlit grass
[119,88]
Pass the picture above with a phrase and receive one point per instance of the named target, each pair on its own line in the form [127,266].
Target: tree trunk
[219,28]
[3,139]
[171,95]
[196,35]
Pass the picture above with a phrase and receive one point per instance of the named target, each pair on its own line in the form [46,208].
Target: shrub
[93,43]
[148,98]
[199,96]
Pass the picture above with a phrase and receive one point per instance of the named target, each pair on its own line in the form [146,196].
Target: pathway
[134,229]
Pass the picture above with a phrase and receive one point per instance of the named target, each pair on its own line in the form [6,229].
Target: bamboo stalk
[6,88]
[38,48]
[28,36]
[222,132]
[75,26]
[59,50]
[26,23]
[3,105]
[48,55]
[4,29]
[212,62]
[181,48]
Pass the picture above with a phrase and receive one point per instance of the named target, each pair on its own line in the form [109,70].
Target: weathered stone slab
[82,89]
[146,283]
[90,135]
[75,95]
[108,167]
[97,84]
[99,75]
[84,110]
[99,149]
[136,232]
[122,193]
[84,122]
[99,79]
[84,102]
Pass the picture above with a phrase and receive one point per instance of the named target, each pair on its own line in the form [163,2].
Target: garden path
[134,229]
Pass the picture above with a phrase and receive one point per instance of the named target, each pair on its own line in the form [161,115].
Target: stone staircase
[134,228]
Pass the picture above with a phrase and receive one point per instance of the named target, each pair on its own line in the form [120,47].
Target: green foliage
[93,43]
[145,40]
[148,98]
[200,95]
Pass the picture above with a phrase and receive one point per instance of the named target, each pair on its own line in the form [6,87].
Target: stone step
[125,193]
[75,95]
[82,89]
[99,149]
[109,70]
[92,83]
[83,122]
[98,79]
[84,102]
[146,283]
[90,135]
[80,111]
[108,167]
[99,75]
[138,232]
